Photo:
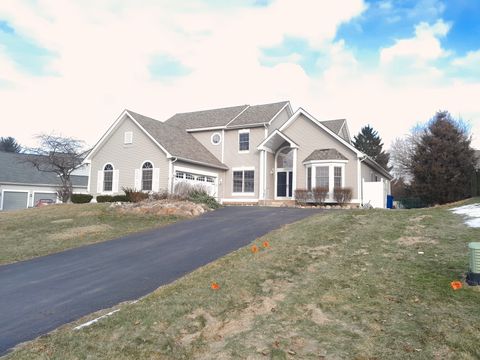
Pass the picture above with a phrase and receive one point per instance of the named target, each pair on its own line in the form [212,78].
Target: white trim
[34,184]
[294,175]
[310,162]
[89,179]
[279,133]
[205,129]
[331,176]
[200,163]
[240,113]
[153,176]
[7,190]
[211,138]
[170,176]
[287,170]
[223,144]
[223,200]
[151,162]
[57,200]
[243,194]
[279,112]
[193,171]
[243,168]
[261,194]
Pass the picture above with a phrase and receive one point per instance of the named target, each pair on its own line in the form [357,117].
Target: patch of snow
[472,213]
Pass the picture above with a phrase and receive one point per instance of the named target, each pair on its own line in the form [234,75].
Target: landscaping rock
[164,207]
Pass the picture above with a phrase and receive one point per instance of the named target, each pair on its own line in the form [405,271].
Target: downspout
[172,175]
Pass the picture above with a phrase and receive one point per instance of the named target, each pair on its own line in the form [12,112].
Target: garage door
[14,200]
[207,183]
[41,196]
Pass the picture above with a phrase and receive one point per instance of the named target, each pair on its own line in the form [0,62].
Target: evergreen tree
[443,161]
[369,142]
[9,144]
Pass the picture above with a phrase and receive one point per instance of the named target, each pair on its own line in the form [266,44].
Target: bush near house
[342,195]
[319,193]
[301,196]
[135,196]
[201,197]
[104,198]
[81,198]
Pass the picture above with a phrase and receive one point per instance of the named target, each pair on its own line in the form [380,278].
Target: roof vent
[473,276]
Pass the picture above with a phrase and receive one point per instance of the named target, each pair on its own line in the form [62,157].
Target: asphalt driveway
[38,295]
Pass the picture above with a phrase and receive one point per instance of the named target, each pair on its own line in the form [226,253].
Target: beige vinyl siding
[310,137]
[281,119]
[205,139]
[234,159]
[127,158]
[367,172]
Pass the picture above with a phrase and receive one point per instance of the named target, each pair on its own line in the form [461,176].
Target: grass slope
[35,232]
[340,285]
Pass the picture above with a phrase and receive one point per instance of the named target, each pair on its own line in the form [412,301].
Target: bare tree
[59,155]
[401,153]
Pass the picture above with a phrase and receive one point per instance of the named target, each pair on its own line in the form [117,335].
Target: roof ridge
[214,109]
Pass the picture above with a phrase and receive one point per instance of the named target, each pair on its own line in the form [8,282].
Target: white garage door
[208,183]
[40,196]
[14,200]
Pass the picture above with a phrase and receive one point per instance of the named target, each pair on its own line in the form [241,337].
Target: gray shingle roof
[15,170]
[325,154]
[177,141]
[334,125]
[258,114]
[243,115]
[205,118]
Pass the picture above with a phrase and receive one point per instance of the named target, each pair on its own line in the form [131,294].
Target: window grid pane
[147,176]
[238,181]
[244,141]
[322,176]
[108,180]
[249,181]
[337,176]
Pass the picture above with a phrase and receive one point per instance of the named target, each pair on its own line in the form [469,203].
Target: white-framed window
[201,178]
[189,176]
[322,177]
[128,137]
[216,138]
[147,176]
[244,181]
[210,179]
[243,141]
[325,173]
[179,175]
[108,177]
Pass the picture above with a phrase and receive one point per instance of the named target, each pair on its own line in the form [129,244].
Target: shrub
[160,195]
[134,195]
[320,194]
[201,197]
[183,190]
[121,198]
[301,196]
[342,195]
[81,198]
[104,198]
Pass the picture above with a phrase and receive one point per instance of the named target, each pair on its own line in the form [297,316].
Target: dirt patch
[420,218]
[415,240]
[317,315]
[165,207]
[80,231]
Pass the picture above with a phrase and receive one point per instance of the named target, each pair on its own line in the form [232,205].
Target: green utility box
[473,276]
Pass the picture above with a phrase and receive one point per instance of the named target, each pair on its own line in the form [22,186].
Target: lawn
[35,232]
[340,285]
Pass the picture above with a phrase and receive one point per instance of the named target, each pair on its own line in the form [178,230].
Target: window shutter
[138,179]
[100,182]
[156,179]
[116,176]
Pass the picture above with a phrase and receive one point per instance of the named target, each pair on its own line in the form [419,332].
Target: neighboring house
[242,154]
[22,185]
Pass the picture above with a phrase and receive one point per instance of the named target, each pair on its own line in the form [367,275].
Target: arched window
[285,159]
[108,177]
[147,176]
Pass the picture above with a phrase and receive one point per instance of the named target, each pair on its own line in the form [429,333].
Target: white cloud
[471,60]
[423,47]
[104,50]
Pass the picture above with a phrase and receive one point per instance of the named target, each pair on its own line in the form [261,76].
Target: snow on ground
[471,212]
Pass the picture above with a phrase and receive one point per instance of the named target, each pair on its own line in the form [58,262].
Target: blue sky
[388,63]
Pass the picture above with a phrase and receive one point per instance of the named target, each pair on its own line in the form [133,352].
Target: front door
[284,184]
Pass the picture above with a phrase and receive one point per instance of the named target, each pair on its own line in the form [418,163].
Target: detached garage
[23,186]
